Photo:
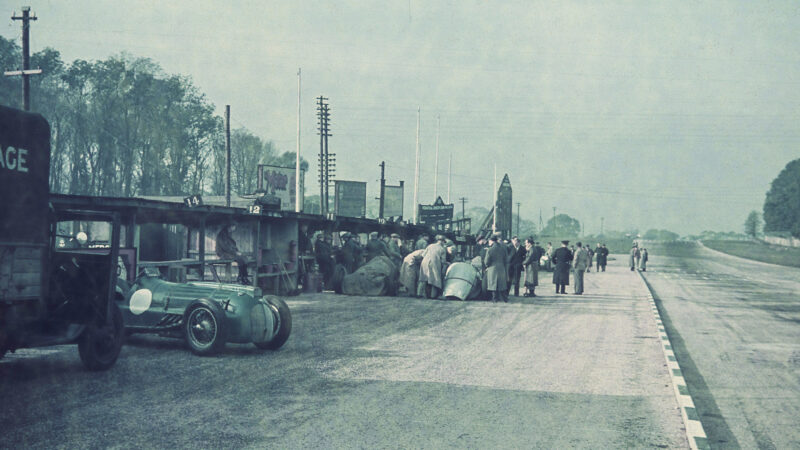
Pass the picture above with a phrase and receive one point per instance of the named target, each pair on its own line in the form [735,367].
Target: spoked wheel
[99,346]
[204,328]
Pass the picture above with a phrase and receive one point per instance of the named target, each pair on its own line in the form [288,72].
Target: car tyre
[284,328]
[204,328]
[99,346]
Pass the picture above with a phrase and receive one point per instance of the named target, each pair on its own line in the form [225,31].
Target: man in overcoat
[635,255]
[496,269]
[431,270]
[375,246]
[562,258]
[515,264]
[643,261]
[580,264]
[531,265]
[409,271]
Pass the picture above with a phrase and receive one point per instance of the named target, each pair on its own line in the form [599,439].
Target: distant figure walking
[602,256]
[561,261]
[643,261]
[580,264]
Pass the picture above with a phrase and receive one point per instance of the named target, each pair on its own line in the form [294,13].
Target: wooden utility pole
[26,57]
[297,192]
[518,219]
[416,173]
[463,210]
[449,176]
[436,164]
[383,188]
[227,155]
[324,157]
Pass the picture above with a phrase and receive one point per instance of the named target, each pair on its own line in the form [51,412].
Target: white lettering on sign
[14,159]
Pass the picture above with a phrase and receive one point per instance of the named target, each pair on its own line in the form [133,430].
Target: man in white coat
[580,263]
[431,269]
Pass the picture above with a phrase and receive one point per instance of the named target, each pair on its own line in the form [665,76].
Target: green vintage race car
[205,314]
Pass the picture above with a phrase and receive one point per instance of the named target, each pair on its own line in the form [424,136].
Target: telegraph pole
[517,218]
[449,176]
[26,71]
[541,223]
[463,202]
[383,187]
[227,155]
[324,157]
[297,192]
[416,172]
[554,220]
[436,164]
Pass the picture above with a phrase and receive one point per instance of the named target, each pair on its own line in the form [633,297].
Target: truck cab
[51,293]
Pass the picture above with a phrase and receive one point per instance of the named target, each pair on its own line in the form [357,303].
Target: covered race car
[464,281]
[205,314]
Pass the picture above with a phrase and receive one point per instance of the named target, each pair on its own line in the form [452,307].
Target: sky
[673,115]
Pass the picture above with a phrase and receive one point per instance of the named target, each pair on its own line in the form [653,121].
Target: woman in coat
[531,264]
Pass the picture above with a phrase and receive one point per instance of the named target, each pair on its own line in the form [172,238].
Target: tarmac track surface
[550,372]
[735,329]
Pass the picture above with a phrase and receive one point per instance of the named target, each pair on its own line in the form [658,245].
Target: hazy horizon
[650,115]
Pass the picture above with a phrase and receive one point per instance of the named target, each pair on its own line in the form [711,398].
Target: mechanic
[227,249]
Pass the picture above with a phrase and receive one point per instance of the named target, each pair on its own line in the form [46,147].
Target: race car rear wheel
[99,346]
[283,322]
[204,328]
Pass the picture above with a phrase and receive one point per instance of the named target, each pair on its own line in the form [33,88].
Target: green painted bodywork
[170,300]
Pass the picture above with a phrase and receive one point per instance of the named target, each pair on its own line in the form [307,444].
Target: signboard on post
[350,198]
[435,213]
[393,201]
[279,181]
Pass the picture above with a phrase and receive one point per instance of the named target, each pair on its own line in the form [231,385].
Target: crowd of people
[638,258]
[506,265]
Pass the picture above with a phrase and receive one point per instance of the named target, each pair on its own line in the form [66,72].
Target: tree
[752,224]
[782,204]
[562,225]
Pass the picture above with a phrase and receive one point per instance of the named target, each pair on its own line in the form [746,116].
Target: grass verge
[758,251]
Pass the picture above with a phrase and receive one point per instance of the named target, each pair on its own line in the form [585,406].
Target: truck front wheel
[99,346]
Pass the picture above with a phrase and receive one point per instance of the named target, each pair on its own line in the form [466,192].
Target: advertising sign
[279,181]
[393,201]
[435,213]
[350,198]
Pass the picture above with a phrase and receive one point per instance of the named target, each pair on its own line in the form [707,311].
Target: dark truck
[50,294]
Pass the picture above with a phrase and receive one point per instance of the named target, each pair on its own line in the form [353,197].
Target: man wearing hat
[496,262]
[394,249]
[422,242]
[375,246]
[350,252]
[323,252]
[561,260]
[635,255]
[581,263]
[431,270]
[517,256]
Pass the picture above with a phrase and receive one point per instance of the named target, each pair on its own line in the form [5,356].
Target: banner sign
[350,198]
[279,181]
[393,201]
[435,213]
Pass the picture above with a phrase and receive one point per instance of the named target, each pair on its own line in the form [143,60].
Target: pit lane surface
[553,372]
[735,329]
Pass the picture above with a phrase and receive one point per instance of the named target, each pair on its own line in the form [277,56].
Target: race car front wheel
[283,322]
[204,328]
